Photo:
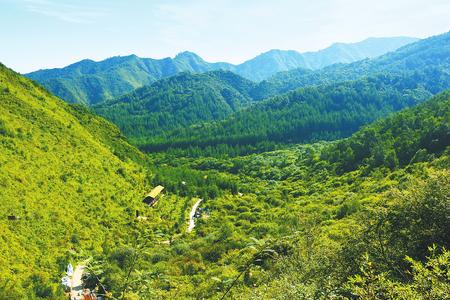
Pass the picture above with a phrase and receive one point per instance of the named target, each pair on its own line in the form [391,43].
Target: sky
[38,34]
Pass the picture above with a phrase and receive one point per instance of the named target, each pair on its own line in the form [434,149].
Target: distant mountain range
[333,102]
[431,52]
[89,82]
[267,64]
[329,103]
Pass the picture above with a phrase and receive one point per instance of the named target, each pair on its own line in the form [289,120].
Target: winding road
[192,214]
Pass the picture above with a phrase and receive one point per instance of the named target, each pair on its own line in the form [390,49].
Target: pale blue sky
[53,33]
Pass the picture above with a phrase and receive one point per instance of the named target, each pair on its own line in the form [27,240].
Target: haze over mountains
[92,82]
[267,64]
[422,54]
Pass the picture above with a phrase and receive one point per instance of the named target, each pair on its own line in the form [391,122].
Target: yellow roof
[155,192]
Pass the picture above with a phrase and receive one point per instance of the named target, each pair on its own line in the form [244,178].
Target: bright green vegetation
[352,219]
[72,184]
[90,82]
[69,178]
[177,102]
[409,136]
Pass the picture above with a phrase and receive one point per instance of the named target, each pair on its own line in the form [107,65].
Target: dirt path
[77,283]
[192,214]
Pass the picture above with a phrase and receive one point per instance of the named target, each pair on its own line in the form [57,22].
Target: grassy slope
[67,174]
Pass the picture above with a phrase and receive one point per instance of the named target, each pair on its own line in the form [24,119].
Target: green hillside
[68,180]
[407,137]
[178,102]
[325,220]
[211,110]
[71,186]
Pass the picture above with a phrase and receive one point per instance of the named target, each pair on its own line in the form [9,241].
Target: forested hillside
[285,175]
[177,102]
[360,217]
[68,183]
[411,136]
[90,82]
[323,112]
[353,219]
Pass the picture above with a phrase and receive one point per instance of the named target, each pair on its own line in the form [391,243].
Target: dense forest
[323,112]
[360,217]
[177,102]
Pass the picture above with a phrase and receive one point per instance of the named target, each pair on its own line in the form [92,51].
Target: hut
[153,196]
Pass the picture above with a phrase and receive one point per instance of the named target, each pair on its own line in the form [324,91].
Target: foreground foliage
[68,183]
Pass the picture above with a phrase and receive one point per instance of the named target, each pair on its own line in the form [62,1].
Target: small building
[153,196]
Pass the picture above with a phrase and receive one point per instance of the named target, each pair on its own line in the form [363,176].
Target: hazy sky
[53,33]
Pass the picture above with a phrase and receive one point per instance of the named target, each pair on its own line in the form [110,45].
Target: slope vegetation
[213,109]
[69,183]
[178,102]
[90,82]
[333,102]
[323,112]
